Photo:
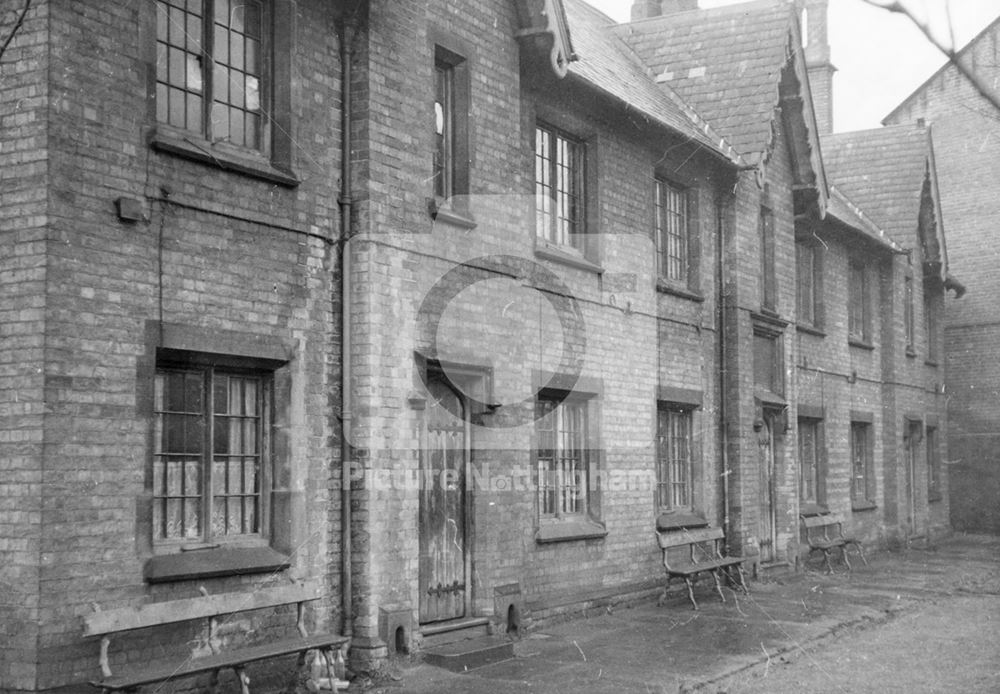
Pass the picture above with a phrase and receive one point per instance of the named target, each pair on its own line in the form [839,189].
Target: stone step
[447,632]
[468,654]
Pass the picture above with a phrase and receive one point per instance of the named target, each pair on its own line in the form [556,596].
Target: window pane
[809,468]
[768,280]
[671,230]
[558,171]
[237,421]
[562,474]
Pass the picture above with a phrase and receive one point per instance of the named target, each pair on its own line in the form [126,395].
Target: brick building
[560,292]
[159,256]
[965,143]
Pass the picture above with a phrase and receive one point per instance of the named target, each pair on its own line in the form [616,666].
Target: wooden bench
[703,554]
[105,623]
[825,533]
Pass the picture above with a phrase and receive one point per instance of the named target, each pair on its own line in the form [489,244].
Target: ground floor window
[561,428]
[811,482]
[862,475]
[673,457]
[210,453]
[933,465]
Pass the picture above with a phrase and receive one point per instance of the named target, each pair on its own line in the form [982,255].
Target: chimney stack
[813,22]
[644,9]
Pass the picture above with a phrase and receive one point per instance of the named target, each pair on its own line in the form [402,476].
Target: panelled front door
[443,592]
[768,524]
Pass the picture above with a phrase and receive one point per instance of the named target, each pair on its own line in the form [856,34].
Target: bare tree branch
[17,25]
[949,52]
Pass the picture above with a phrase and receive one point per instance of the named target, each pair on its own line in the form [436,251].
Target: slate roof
[882,170]
[606,63]
[843,209]
[725,61]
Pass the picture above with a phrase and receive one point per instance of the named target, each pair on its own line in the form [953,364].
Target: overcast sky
[880,57]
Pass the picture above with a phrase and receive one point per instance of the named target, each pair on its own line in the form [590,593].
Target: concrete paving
[647,648]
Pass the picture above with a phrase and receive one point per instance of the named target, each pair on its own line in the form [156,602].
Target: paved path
[907,615]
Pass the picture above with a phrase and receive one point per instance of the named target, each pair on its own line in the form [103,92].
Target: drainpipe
[721,308]
[347,33]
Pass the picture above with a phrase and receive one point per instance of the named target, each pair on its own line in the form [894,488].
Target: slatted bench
[703,554]
[106,623]
[825,533]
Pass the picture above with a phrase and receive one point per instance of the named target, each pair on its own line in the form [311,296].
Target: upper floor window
[671,222]
[444,129]
[768,363]
[673,457]
[768,278]
[210,457]
[931,327]
[212,67]
[809,291]
[859,304]
[908,327]
[559,188]
[451,124]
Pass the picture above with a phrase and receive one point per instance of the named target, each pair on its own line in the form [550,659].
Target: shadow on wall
[975,497]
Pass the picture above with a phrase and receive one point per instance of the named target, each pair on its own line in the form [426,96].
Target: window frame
[210,55]
[207,491]
[931,329]
[812,282]
[862,451]
[775,384]
[859,304]
[560,408]
[665,480]
[273,161]
[584,523]
[452,147]
[909,327]
[768,274]
[813,492]
[932,444]
[548,234]
[663,189]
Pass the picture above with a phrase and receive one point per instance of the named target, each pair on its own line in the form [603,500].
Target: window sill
[194,148]
[679,520]
[864,506]
[557,255]
[441,212]
[910,352]
[666,287]
[860,344]
[213,563]
[809,330]
[570,530]
[933,497]
[931,362]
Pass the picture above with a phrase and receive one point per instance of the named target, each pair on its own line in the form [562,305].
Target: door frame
[767,474]
[454,377]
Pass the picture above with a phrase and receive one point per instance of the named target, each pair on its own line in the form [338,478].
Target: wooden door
[768,524]
[442,582]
